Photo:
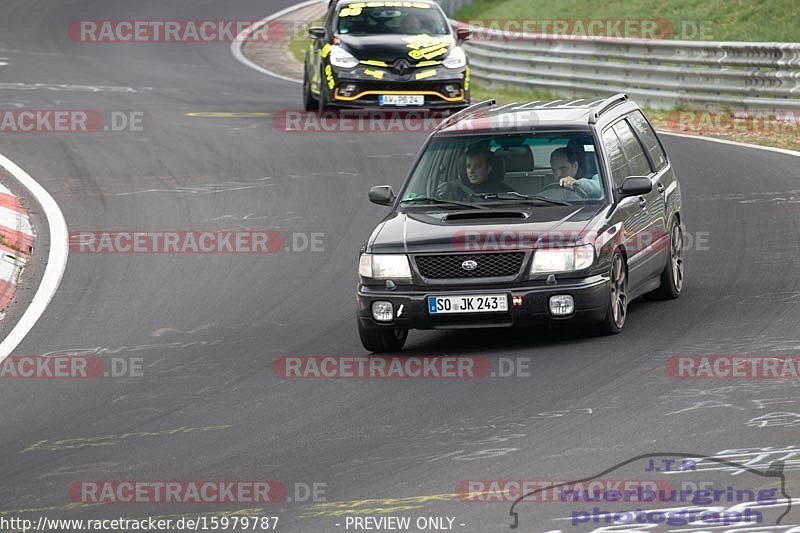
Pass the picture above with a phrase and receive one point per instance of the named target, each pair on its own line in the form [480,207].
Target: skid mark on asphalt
[75,88]
[113,439]
[211,188]
[227,114]
[105,467]
[376,506]
[104,350]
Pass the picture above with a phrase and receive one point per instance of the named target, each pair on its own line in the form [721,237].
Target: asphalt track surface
[207,327]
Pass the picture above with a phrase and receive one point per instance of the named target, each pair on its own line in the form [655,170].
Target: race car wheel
[617,310]
[309,102]
[382,340]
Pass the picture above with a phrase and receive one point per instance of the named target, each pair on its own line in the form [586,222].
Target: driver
[412,24]
[564,163]
[478,179]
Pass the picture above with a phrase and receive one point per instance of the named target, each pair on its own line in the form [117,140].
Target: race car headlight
[384,266]
[342,58]
[456,58]
[554,260]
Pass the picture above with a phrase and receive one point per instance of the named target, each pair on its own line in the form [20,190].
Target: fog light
[452,90]
[562,305]
[382,311]
[348,89]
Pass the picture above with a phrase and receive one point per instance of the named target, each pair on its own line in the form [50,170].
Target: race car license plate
[401,100]
[482,303]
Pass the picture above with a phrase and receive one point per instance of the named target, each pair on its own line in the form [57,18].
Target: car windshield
[357,19]
[544,168]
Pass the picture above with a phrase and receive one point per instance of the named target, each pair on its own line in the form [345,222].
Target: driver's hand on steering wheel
[569,182]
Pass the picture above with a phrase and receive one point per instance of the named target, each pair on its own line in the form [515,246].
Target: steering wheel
[565,191]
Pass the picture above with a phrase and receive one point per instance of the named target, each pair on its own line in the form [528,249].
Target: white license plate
[401,100]
[482,303]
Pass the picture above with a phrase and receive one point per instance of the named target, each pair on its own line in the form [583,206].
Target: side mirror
[636,186]
[317,32]
[382,195]
[463,34]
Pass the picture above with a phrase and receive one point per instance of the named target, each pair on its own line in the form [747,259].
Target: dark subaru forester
[523,214]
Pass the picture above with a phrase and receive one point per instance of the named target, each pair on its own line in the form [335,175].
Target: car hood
[389,48]
[486,230]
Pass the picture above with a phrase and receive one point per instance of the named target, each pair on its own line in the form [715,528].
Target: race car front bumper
[363,86]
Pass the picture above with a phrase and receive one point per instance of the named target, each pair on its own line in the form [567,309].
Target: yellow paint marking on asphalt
[111,440]
[227,114]
[376,506]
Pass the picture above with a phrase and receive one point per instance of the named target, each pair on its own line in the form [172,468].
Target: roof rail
[607,104]
[457,117]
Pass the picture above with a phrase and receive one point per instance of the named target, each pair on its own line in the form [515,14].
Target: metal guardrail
[660,73]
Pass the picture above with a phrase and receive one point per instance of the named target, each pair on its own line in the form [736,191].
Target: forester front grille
[497,265]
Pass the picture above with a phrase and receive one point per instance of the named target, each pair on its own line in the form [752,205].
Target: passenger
[565,162]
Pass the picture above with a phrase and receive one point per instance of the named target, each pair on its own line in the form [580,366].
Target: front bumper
[435,83]
[591,296]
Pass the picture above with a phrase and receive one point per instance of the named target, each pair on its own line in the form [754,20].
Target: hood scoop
[484,215]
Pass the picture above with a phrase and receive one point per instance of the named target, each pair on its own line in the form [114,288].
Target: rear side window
[648,137]
[619,165]
[632,148]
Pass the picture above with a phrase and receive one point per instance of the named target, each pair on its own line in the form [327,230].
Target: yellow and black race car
[392,54]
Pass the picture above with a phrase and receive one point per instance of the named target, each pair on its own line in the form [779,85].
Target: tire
[617,309]
[309,102]
[322,104]
[382,340]
[673,274]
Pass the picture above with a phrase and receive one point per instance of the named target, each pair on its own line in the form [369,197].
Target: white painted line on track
[236,45]
[56,260]
[733,143]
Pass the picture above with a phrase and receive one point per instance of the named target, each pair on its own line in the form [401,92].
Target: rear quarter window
[616,159]
[648,137]
[633,150]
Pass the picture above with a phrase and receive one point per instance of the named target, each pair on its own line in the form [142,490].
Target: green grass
[712,20]
[299,44]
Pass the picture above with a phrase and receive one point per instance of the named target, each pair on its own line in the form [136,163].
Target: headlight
[551,261]
[384,266]
[342,58]
[456,58]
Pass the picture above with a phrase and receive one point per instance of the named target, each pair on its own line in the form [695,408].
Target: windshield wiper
[512,195]
[446,202]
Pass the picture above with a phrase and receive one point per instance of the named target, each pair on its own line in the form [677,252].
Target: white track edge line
[56,260]
[733,143]
[238,43]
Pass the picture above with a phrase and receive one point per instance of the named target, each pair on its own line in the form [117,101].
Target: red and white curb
[15,247]
[56,256]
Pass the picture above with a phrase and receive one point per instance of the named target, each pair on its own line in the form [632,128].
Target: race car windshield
[391,20]
[543,169]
